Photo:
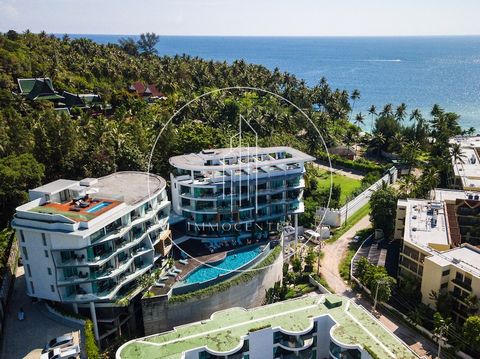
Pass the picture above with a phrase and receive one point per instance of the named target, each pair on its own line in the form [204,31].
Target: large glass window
[343,353]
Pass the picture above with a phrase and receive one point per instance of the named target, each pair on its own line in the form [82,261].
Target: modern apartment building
[238,193]
[467,166]
[314,326]
[435,252]
[86,243]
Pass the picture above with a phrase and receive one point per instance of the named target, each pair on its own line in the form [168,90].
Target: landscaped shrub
[90,343]
[360,164]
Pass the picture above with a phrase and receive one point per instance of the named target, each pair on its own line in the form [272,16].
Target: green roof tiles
[223,332]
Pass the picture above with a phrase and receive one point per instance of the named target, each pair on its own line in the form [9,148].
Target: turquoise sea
[419,71]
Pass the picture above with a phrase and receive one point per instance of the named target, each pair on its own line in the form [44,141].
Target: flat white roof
[466,258]
[198,161]
[55,186]
[443,194]
[469,170]
[425,222]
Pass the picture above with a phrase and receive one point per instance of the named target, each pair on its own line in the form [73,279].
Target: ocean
[419,71]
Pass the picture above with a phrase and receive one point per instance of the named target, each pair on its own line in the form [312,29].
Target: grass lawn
[347,184]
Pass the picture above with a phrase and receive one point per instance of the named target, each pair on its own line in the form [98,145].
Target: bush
[360,164]
[90,343]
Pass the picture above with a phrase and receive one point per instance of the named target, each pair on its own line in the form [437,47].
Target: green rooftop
[224,330]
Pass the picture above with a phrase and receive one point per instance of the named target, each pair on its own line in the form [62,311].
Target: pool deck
[224,331]
[78,214]
[192,264]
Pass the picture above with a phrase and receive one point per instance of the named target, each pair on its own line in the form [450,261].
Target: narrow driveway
[333,254]
[26,339]
[344,172]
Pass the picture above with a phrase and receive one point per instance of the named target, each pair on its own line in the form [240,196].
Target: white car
[62,341]
[71,352]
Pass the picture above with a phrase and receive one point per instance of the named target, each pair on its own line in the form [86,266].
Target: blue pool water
[233,260]
[98,207]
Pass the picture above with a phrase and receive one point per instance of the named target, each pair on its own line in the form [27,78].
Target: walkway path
[333,254]
[344,171]
[26,339]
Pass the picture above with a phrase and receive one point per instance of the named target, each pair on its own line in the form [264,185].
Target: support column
[295,216]
[94,320]
[75,308]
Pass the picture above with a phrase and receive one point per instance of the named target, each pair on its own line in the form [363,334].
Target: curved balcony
[296,343]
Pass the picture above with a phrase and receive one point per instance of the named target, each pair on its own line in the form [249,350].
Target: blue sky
[244,17]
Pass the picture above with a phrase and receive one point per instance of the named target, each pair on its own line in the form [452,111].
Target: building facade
[435,252]
[238,193]
[85,244]
[314,326]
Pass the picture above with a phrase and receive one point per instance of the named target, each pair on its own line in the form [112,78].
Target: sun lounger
[160,285]
[183,261]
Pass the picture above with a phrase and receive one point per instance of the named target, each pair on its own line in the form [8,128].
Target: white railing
[337,217]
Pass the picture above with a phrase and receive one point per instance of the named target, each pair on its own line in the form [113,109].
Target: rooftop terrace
[223,332]
[89,198]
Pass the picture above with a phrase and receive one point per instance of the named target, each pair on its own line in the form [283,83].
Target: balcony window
[97,235]
[114,226]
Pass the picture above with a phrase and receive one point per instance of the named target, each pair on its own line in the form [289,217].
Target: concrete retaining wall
[159,315]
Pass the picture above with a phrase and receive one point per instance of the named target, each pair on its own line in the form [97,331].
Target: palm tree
[401,112]
[377,142]
[354,97]
[359,119]
[387,110]
[457,153]
[372,111]
[429,180]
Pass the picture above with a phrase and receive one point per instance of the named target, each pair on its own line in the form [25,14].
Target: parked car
[71,352]
[62,341]
[357,239]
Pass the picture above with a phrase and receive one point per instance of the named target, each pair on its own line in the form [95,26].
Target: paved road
[334,252]
[27,338]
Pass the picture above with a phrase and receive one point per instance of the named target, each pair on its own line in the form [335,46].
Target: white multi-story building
[435,236]
[86,243]
[238,193]
[310,327]
[466,167]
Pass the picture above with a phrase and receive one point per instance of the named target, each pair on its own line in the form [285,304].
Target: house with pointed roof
[148,91]
[84,101]
[38,89]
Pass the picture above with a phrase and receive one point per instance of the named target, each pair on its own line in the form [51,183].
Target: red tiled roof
[148,90]
[154,91]
[455,235]
[138,87]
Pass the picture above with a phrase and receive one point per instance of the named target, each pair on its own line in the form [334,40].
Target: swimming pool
[98,207]
[232,261]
